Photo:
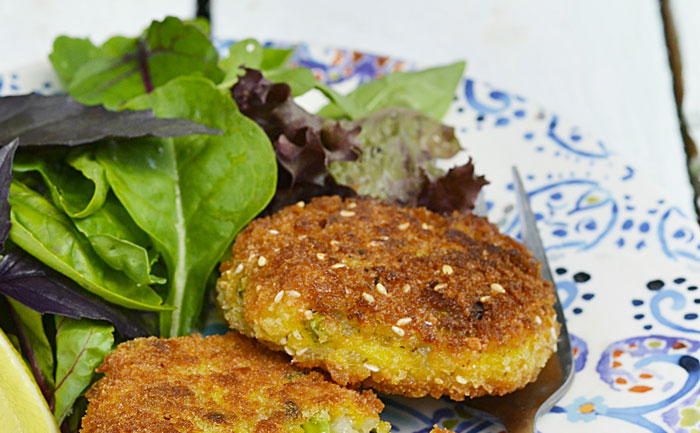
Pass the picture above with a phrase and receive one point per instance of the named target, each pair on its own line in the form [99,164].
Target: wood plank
[686,16]
[601,64]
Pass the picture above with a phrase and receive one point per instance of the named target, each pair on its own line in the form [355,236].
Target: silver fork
[518,411]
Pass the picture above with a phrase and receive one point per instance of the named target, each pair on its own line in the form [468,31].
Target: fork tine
[480,205]
[531,238]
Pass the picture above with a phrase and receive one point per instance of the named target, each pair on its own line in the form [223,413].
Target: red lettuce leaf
[60,120]
[455,191]
[305,144]
[28,281]
[7,152]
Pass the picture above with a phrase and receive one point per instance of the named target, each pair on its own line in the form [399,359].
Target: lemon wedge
[22,406]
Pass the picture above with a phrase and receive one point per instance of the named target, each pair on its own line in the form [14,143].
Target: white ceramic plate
[626,261]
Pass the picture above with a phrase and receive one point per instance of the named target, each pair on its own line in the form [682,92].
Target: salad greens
[131,224]
[81,345]
[123,68]
[429,91]
[48,234]
[59,120]
[399,150]
[7,153]
[27,281]
[193,206]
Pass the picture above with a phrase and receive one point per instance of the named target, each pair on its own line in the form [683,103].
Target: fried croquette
[220,384]
[399,299]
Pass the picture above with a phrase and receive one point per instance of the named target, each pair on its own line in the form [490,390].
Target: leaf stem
[29,353]
[143,66]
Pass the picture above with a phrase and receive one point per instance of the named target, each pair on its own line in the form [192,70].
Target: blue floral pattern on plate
[626,262]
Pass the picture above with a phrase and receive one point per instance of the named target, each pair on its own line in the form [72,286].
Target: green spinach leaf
[120,242]
[123,68]
[430,91]
[201,189]
[77,182]
[105,223]
[81,345]
[49,235]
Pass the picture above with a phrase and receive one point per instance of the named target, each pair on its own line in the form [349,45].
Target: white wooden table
[601,64]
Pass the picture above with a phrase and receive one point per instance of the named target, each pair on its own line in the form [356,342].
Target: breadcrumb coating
[400,299]
[217,384]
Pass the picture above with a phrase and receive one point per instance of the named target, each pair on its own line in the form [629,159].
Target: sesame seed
[404,321]
[384,238]
[370,367]
[302,351]
[339,265]
[429,323]
[301,237]
[251,257]
[424,226]
[484,298]
[239,268]
[352,205]
[308,314]
[273,232]
[262,261]
[381,289]
[283,341]
[296,334]
[404,226]
[320,256]
[258,288]
[294,294]
[447,270]
[335,243]
[538,320]
[398,331]
[301,204]
[373,244]
[289,351]
[439,381]
[278,296]
[406,288]
[461,380]
[346,213]
[369,298]
[440,287]
[497,288]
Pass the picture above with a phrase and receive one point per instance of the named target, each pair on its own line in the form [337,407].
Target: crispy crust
[471,290]
[212,384]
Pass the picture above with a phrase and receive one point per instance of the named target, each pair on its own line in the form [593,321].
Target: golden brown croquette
[400,299]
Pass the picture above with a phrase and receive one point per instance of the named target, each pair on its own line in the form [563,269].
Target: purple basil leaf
[28,281]
[455,191]
[60,120]
[7,152]
[305,144]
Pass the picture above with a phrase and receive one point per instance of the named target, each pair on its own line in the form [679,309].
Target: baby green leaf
[81,345]
[77,183]
[201,189]
[69,54]
[430,91]
[50,236]
[33,329]
[123,68]
[247,52]
[119,241]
